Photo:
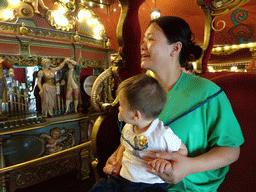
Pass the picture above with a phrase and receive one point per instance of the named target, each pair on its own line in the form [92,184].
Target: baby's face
[125,113]
[55,134]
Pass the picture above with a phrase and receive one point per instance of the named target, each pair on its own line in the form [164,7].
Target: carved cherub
[54,140]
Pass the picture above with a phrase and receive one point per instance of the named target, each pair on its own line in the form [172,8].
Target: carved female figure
[48,88]
[3,91]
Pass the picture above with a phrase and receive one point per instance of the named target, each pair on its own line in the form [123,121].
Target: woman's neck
[168,79]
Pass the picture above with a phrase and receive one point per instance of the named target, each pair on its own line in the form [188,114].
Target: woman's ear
[176,48]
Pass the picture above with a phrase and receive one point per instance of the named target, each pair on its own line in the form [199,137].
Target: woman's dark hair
[176,29]
[189,67]
[143,93]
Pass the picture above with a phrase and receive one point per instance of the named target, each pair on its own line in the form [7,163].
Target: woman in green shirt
[197,110]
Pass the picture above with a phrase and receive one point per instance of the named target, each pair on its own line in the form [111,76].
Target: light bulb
[7,14]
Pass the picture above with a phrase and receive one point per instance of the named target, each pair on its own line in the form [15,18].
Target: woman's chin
[143,65]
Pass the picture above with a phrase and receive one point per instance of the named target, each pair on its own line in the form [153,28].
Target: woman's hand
[174,173]
[160,165]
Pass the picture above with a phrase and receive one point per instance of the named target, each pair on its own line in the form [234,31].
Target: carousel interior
[63,143]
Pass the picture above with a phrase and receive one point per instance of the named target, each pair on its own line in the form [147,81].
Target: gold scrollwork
[227,7]
[218,23]
[44,172]
[89,63]
[51,20]
[224,52]
[22,60]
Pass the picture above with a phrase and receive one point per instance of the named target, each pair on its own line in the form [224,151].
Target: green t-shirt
[212,124]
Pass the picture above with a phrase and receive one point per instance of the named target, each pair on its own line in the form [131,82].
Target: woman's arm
[39,80]
[183,150]
[183,166]
[60,66]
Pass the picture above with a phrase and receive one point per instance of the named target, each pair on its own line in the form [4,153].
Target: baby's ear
[137,115]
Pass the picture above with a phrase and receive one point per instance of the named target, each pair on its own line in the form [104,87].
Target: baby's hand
[111,170]
[160,165]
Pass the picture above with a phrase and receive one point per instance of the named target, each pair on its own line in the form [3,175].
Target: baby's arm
[111,169]
[183,150]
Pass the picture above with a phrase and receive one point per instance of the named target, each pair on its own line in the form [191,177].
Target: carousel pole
[129,38]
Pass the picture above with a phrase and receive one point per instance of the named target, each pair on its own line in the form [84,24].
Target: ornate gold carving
[89,63]
[108,44]
[223,51]
[95,98]
[22,60]
[13,28]
[85,168]
[226,6]
[50,19]
[45,171]
[253,51]
[92,41]
[218,23]
[26,11]
[24,47]
[23,29]
[76,37]
[22,9]
[3,177]
[119,30]
[95,129]
[8,28]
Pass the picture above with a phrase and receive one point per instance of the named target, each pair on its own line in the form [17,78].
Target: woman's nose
[142,46]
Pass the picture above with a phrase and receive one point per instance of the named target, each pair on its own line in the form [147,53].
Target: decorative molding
[22,60]
[24,47]
[40,32]
[253,51]
[89,63]
[225,7]
[230,64]
[8,28]
[45,171]
[223,51]
[85,161]
[92,41]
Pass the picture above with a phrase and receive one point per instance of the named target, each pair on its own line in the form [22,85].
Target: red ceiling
[240,24]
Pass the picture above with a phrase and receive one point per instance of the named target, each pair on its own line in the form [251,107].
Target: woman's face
[47,65]
[155,50]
